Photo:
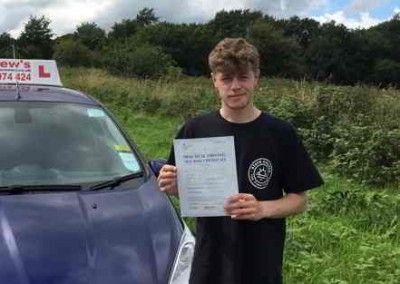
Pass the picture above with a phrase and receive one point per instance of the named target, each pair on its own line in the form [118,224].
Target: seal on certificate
[260,172]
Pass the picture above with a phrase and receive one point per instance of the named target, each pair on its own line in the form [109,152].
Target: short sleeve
[298,170]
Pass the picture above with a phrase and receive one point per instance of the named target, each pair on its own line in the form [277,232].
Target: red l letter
[43,73]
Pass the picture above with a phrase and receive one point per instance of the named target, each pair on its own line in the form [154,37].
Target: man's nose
[235,83]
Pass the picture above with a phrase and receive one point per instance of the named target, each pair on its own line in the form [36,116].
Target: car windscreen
[61,143]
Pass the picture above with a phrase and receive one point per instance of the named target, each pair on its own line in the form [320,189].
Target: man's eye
[226,78]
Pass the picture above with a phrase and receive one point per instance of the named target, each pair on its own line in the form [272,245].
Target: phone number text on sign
[7,76]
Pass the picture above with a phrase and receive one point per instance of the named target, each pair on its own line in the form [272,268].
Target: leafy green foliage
[235,23]
[304,30]
[146,17]
[6,42]
[367,153]
[35,40]
[188,45]
[386,71]
[133,58]
[279,54]
[70,52]
[90,35]
[123,30]
[347,225]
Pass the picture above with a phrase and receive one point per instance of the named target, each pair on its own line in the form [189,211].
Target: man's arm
[244,206]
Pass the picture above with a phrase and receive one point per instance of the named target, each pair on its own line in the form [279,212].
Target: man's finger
[166,182]
[240,197]
[167,175]
[243,211]
[169,189]
[241,203]
[244,217]
[168,168]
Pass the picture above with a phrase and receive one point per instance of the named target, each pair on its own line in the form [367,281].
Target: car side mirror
[156,165]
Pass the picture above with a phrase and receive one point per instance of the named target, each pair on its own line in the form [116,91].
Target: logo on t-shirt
[260,172]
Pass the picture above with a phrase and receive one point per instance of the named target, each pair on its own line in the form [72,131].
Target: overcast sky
[66,15]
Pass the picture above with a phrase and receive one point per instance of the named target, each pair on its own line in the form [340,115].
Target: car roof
[44,93]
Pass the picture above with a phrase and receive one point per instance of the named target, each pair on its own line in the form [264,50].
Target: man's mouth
[236,95]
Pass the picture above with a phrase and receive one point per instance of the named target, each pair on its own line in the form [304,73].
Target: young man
[273,168]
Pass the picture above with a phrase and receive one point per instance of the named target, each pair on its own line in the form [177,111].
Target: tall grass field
[351,230]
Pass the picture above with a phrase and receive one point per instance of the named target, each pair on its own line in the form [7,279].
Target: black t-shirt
[270,160]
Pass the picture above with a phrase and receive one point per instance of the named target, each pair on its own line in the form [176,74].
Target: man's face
[235,89]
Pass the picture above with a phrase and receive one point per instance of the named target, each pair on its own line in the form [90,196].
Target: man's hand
[244,206]
[167,180]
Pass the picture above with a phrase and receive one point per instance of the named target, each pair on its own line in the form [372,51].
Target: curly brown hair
[233,55]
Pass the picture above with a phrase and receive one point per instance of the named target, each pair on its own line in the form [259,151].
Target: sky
[66,15]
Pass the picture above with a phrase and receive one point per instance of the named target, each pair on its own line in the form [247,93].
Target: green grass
[151,133]
[345,242]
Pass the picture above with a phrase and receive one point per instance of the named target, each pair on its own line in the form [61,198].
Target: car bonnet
[109,236]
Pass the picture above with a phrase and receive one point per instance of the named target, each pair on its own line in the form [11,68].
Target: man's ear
[212,76]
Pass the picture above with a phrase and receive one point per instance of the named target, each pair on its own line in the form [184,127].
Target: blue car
[78,203]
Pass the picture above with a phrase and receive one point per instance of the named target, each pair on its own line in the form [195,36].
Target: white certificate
[206,173]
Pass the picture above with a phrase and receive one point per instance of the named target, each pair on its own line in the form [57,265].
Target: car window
[60,143]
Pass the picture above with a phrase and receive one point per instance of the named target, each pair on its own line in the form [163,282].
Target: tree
[71,52]
[279,55]
[387,72]
[304,30]
[124,29]
[6,42]
[326,56]
[188,45]
[134,58]
[391,32]
[91,35]
[236,23]
[35,40]
[146,17]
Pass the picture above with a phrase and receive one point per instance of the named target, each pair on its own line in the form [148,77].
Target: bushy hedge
[134,58]
[354,130]
[71,52]
[367,153]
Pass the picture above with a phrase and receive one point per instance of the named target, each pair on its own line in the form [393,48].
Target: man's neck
[244,115]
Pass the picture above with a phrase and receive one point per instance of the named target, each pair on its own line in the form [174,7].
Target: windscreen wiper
[18,189]
[114,182]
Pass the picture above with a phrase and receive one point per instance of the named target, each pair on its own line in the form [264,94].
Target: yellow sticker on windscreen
[122,148]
